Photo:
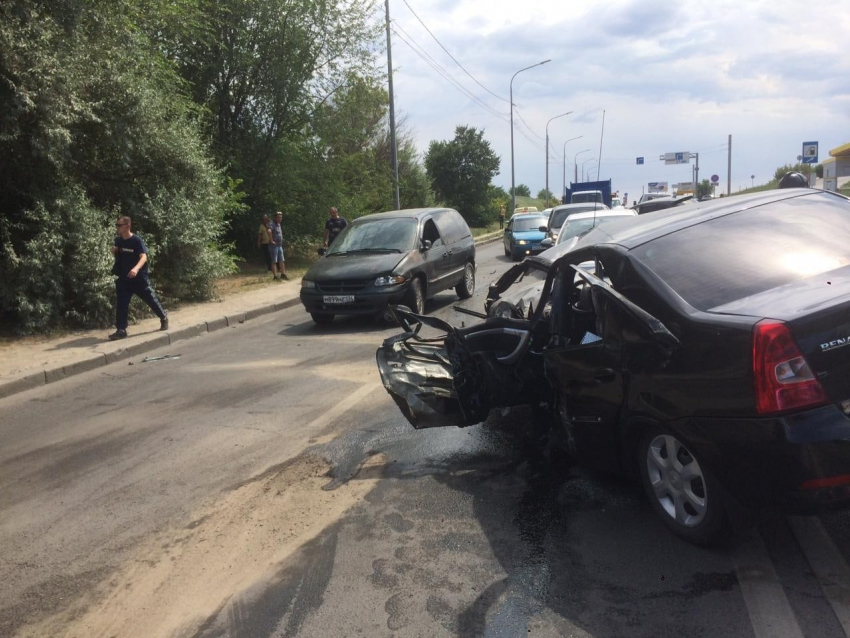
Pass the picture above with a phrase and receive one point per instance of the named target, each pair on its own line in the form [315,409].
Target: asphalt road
[264,484]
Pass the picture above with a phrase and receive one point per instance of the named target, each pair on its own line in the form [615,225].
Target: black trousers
[126,288]
[264,248]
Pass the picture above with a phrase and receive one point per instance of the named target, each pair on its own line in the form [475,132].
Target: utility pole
[394,151]
[729,169]
[564,191]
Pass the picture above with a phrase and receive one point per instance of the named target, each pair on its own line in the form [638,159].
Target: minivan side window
[430,233]
[451,226]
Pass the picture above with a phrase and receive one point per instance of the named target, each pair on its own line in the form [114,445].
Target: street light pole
[592,159]
[564,189]
[547,154]
[575,159]
[511,86]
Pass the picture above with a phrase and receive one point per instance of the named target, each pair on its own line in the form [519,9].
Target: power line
[451,56]
[447,76]
[522,119]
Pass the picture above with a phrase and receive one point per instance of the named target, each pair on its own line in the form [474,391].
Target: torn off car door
[459,376]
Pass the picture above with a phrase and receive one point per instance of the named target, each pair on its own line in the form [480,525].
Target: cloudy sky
[671,75]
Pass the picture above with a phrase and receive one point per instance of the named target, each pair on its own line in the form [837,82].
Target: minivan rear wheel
[681,489]
[466,288]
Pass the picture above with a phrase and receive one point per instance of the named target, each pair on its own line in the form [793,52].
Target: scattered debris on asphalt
[165,356]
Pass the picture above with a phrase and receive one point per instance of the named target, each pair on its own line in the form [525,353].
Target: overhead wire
[418,50]
[451,56]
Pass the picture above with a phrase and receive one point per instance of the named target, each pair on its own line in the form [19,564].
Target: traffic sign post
[639,161]
[810,153]
[715,179]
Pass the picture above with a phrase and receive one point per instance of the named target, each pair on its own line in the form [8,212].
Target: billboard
[657,187]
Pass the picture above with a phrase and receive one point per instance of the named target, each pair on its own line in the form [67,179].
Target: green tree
[545,194]
[521,189]
[95,123]
[460,171]
[799,167]
[703,189]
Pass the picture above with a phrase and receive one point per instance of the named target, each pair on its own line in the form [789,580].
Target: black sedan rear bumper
[800,462]
[364,303]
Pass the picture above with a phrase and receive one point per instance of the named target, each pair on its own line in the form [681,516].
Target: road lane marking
[340,408]
[828,564]
[770,612]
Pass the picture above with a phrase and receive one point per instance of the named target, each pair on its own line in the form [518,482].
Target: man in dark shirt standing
[131,268]
[333,226]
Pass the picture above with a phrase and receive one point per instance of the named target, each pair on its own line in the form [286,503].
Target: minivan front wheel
[682,491]
[466,288]
[415,298]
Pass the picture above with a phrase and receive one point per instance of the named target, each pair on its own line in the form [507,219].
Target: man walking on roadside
[334,226]
[276,247]
[131,268]
[502,216]
[263,239]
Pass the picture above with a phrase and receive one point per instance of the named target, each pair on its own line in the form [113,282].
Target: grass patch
[254,276]
[532,201]
[483,230]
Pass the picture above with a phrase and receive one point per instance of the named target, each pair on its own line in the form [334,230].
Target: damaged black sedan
[704,350]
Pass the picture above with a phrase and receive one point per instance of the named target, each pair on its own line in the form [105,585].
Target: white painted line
[828,564]
[343,406]
[770,612]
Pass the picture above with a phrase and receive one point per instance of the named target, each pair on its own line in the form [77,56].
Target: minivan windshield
[560,214]
[391,235]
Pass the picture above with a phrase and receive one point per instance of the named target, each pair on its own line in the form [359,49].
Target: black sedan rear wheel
[466,288]
[682,491]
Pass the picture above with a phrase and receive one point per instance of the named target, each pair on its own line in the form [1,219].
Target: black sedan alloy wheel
[681,490]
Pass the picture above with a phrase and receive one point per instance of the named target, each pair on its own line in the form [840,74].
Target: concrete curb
[100,359]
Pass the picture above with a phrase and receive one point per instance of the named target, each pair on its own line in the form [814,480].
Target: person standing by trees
[131,268]
[334,226]
[263,239]
[502,216]
[276,247]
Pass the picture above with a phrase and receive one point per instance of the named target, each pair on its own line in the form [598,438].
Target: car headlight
[390,280]
[522,242]
[306,283]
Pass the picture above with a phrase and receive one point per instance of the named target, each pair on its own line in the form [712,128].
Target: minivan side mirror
[546,243]
[543,229]
[426,244]
[322,251]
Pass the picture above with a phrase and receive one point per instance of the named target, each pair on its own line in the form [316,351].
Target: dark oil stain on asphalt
[525,502]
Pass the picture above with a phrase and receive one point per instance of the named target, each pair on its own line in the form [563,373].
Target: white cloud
[672,76]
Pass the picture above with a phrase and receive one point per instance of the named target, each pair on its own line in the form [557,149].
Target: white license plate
[339,298]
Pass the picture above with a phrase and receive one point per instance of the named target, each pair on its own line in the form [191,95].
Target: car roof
[577,204]
[601,213]
[407,213]
[652,226]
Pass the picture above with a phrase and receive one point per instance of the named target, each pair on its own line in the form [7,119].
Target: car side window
[430,233]
[446,227]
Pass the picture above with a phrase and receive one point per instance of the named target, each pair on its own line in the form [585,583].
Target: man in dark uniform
[131,268]
[333,226]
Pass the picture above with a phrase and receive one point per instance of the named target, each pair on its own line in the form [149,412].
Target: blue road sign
[680,157]
[810,153]
[639,161]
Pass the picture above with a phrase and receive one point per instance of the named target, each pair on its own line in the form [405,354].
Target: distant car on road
[399,257]
[560,214]
[523,235]
[580,224]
